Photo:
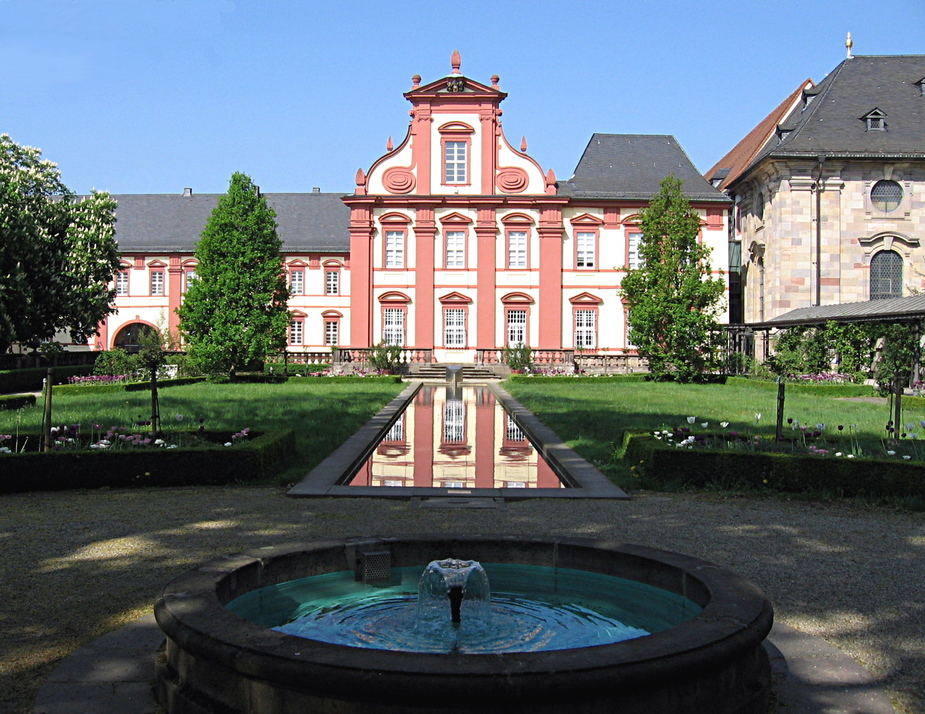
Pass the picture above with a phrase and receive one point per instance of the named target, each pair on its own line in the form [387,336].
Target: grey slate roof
[899,309]
[632,166]
[832,124]
[172,223]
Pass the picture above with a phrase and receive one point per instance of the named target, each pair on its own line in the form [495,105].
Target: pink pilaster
[361,283]
[550,233]
[486,234]
[425,231]
[424,441]
[174,293]
[485,440]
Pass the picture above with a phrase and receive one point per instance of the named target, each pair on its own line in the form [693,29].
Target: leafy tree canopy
[58,253]
[235,310]
[672,298]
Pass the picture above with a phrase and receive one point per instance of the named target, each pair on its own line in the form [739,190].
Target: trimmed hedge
[387,378]
[17,401]
[32,379]
[261,457]
[294,369]
[796,473]
[122,386]
[819,389]
[565,378]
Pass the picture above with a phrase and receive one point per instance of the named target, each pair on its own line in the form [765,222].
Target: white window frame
[297,282]
[331,332]
[585,328]
[455,250]
[454,327]
[517,249]
[395,249]
[332,282]
[297,332]
[516,329]
[585,244]
[633,259]
[455,162]
[158,284]
[393,326]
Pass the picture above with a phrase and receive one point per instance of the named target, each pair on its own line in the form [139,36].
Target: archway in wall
[128,337]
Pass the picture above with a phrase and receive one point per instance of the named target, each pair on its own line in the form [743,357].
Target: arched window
[886,275]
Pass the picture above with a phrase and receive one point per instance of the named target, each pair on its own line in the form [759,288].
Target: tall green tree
[58,253]
[673,300]
[235,310]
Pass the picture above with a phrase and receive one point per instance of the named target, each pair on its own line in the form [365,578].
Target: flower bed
[32,379]
[780,466]
[181,459]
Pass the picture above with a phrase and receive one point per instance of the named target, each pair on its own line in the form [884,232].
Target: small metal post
[780,408]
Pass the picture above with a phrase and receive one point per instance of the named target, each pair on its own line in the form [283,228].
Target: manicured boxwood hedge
[261,457]
[820,388]
[31,380]
[122,386]
[568,379]
[793,473]
[17,401]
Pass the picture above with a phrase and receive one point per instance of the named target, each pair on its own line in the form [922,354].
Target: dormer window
[782,134]
[809,94]
[921,85]
[875,120]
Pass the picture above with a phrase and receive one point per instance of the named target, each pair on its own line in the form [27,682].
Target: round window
[886,195]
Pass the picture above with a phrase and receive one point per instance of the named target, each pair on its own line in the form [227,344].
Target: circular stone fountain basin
[217,661]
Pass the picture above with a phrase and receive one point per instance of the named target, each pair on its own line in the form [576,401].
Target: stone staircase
[438,372]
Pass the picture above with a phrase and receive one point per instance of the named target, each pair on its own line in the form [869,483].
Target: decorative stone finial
[849,43]
[550,183]
[523,145]
[361,182]
[494,81]
[455,61]
[388,144]
[416,81]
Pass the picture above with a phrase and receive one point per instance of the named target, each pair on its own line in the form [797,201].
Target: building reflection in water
[456,438]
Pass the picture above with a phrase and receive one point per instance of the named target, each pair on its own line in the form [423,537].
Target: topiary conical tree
[235,310]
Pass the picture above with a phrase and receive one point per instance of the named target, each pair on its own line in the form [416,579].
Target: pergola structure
[755,338]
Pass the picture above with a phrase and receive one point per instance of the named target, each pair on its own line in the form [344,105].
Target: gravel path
[79,564]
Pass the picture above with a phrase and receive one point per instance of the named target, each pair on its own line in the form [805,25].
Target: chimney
[257,191]
[316,189]
[187,192]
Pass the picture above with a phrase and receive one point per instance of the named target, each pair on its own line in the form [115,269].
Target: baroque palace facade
[454,244]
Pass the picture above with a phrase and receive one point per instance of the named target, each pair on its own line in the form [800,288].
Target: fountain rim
[191,612]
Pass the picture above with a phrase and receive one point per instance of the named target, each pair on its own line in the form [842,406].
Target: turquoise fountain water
[451,608]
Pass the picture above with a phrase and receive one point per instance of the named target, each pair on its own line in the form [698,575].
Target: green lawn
[323,413]
[592,416]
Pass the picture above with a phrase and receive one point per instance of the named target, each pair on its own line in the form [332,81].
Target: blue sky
[151,96]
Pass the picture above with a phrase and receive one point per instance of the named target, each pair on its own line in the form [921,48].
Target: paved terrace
[78,565]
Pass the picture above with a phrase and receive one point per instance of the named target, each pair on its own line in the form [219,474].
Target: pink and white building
[454,244]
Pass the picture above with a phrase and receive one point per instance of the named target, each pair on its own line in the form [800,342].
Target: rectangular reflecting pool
[465,444]
[455,438]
